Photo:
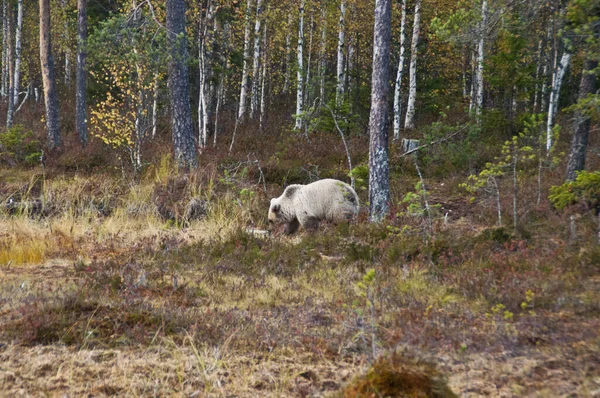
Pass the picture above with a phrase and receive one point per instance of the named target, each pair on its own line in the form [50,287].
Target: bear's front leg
[292,226]
[311,224]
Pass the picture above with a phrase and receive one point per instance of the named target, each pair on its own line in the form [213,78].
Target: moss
[399,375]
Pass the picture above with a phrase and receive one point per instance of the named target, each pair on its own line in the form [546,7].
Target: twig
[345,145]
[443,139]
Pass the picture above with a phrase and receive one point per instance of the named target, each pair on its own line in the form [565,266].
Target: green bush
[585,188]
[20,146]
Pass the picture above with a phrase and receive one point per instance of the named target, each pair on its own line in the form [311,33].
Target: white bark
[254,103]
[18,51]
[288,50]
[397,89]
[155,105]
[557,78]
[307,85]
[4,87]
[300,71]
[409,122]
[322,63]
[341,79]
[263,79]
[244,88]
[480,58]
[205,58]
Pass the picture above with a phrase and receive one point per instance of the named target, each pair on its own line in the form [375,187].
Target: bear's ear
[276,208]
[290,191]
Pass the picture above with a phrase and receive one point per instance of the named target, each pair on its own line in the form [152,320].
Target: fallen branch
[443,139]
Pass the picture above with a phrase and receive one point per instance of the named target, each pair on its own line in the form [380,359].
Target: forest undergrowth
[164,283]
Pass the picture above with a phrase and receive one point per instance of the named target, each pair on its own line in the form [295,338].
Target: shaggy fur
[307,205]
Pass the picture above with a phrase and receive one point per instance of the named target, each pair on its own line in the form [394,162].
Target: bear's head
[274,211]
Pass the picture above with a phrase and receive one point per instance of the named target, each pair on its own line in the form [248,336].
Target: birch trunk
[582,122]
[254,103]
[288,50]
[4,86]
[80,98]
[480,58]
[263,79]
[557,78]
[18,36]
[409,122]
[11,71]
[47,65]
[323,54]
[398,86]
[341,79]
[205,91]
[154,105]
[300,71]
[379,188]
[307,85]
[244,88]
[179,89]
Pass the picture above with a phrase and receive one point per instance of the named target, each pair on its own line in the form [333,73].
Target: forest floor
[122,302]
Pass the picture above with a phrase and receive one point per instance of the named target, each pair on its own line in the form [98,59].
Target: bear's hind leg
[311,224]
[292,226]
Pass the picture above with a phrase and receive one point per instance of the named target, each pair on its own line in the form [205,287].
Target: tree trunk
[11,71]
[300,71]
[480,58]
[323,55]
[179,89]
[397,88]
[288,50]
[307,85]
[263,80]
[582,123]
[244,88]
[4,86]
[81,78]
[538,70]
[409,122]
[341,79]
[206,52]
[18,36]
[379,187]
[557,78]
[47,64]
[254,103]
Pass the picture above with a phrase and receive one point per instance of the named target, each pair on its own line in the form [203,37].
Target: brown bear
[307,205]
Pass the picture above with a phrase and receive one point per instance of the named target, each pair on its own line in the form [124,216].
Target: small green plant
[360,174]
[528,304]
[365,307]
[20,145]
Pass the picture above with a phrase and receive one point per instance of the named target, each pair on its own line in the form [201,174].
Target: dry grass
[104,296]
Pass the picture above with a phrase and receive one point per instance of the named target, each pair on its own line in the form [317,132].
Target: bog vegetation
[135,253]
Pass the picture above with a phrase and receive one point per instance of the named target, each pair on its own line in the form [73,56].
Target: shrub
[20,146]
[585,188]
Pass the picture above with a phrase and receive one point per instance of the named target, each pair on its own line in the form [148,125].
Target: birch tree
[263,79]
[179,89]
[244,85]
[18,36]
[11,70]
[341,78]
[300,70]
[254,103]
[409,122]
[4,86]
[557,78]
[288,51]
[379,187]
[206,50]
[323,54]
[398,86]
[81,77]
[480,58]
